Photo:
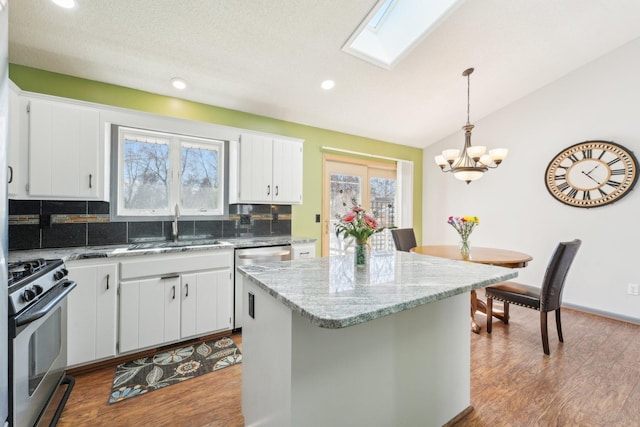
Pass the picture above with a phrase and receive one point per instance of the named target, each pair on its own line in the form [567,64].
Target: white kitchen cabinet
[16,154]
[206,302]
[165,298]
[269,170]
[64,144]
[150,312]
[303,250]
[91,312]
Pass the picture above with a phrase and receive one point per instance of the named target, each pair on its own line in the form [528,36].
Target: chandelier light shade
[473,161]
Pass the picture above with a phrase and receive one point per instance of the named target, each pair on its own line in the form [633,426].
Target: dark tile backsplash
[37,224]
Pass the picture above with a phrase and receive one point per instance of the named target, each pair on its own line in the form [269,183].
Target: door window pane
[382,194]
[345,191]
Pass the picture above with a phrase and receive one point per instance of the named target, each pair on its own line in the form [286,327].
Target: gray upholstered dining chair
[404,239]
[545,299]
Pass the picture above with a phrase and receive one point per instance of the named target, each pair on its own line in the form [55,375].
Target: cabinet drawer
[303,250]
[144,266]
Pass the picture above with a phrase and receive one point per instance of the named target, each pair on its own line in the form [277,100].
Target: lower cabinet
[164,300]
[92,312]
[149,312]
[303,250]
[206,302]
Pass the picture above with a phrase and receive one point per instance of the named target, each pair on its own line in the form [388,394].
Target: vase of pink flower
[361,226]
[464,226]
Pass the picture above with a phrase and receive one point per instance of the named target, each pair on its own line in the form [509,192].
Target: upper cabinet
[16,174]
[55,150]
[268,170]
[63,150]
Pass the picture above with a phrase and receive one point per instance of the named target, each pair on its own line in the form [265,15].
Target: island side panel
[410,368]
[266,360]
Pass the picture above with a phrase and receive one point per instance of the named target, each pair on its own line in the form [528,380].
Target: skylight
[394,27]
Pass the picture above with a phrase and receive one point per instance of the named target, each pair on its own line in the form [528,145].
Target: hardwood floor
[593,379]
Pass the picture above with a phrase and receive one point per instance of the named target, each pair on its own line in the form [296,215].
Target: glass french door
[347,182]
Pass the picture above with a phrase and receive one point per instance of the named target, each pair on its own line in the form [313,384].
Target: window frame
[176,141]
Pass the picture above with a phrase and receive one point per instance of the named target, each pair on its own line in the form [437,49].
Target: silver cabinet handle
[10,180]
[174,291]
[90,176]
[268,190]
[187,288]
[108,281]
[276,190]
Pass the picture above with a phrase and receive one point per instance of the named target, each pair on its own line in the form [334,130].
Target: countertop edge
[337,323]
[82,253]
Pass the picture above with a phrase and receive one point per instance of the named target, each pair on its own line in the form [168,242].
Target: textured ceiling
[269,57]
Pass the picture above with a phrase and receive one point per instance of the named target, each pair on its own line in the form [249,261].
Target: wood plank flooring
[593,379]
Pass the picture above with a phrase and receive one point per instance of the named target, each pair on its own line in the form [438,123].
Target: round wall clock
[591,174]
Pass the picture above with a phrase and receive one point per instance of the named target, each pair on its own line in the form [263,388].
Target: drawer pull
[170,276]
[187,288]
[108,281]
[174,292]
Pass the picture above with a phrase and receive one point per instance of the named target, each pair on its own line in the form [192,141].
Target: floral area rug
[173,366]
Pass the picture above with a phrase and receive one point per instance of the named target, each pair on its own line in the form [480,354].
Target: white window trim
[175,143]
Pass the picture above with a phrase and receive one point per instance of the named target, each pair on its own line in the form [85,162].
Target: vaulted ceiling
[268,57]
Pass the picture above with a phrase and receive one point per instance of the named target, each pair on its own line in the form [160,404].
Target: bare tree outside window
[200,185]
[157,171]
[146,171]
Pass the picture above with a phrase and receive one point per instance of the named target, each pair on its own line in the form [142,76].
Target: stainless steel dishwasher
[249,256]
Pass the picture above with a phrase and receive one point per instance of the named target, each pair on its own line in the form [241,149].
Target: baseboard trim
[603,313]
[453,421]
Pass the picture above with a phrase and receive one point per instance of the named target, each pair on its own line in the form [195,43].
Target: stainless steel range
[37,340]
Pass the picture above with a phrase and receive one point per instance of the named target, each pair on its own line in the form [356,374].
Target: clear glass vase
[465,249]
[361,253]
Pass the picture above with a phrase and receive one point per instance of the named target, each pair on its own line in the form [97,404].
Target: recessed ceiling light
[178,83]
[328,84]
[67,4]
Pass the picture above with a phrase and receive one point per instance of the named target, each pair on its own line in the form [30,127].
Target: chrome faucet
[174,225]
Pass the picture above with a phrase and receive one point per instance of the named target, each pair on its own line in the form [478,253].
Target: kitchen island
[329,344]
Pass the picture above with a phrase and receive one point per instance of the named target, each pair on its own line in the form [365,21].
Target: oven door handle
[46,305]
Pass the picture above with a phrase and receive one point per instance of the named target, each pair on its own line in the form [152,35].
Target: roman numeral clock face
[591,174]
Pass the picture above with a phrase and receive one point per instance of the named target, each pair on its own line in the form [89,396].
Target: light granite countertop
[153,248]
[332,293]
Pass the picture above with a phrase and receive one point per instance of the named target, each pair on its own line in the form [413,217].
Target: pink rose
[357,209]
[349,217]
[370,222]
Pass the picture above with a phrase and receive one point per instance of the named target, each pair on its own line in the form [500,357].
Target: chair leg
[545,334]
[559,325]
[489,314]
[505,310]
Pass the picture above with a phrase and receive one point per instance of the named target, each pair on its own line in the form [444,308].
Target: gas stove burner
[22,269]
[29,280]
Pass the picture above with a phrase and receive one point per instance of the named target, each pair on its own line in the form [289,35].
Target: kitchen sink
[178,244]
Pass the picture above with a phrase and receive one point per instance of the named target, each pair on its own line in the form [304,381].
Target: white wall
[598,101]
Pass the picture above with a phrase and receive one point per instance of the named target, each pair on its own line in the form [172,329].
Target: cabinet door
[224,306]
[91,317]
[63,150]
[159,311]
[189,307]
[17,138]
[149,312]
[255,168]
[287,171]
[206,302]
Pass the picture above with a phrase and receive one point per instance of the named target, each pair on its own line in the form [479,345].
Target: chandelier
[474,161]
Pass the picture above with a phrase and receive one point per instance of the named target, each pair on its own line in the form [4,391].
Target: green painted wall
[303,223]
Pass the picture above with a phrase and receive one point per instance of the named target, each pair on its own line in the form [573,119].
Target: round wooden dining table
[480,255]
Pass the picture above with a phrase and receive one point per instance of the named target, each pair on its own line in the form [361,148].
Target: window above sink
[156,171]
